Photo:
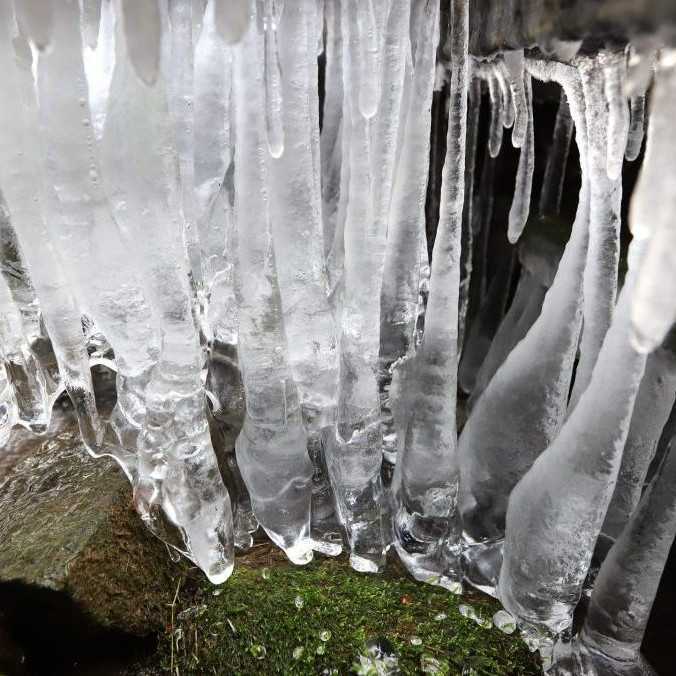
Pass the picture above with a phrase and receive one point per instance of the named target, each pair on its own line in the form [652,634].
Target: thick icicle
[232,19]
[369,84]
[297,234]
[636,127]
[271,448]
[600,275]
[514,69]
[36,21]
[143,35]
[614,70]
[179,486]
[426,522]
[274,103]
[557,161]
[21,180]
[654,203]
[625,589]
[406,225]
[556,511]
[654,402]
[522,409]
[518,213]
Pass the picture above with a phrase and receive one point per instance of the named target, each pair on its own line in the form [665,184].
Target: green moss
[252,624]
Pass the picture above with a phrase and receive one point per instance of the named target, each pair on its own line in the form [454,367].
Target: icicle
[274,104]
[320,13]
[600,275]
[369,86]
[143,33]
[502,75]
[271,448]
[521,410]
[232,19]
[91,20]
[625,589]
[636,128]
[406,225]
[426,523]
[654,309]
[518,213]
[36,21]
[179,489]
[21,180]
[614,71]
[557,161]
[654,402]
[514,67]
[301,274]
[496,125]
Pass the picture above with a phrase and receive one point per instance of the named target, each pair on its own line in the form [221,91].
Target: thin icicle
[143,33]
[232,19]
[518,213]
[502,75]
[557,161]
[426,522]
[614,74]
[369,85]
[272,76]
[497,116]
[636,127]
[514,68]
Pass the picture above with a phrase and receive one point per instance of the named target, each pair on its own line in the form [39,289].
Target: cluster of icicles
[171,210]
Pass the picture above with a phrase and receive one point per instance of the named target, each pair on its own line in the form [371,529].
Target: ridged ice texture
[271,448]
[556,511]
[654,308]
[600,275]
[179,486]
[521,410]
[426,520]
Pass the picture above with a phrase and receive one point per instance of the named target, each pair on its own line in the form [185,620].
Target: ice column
[426,522]
[272,446]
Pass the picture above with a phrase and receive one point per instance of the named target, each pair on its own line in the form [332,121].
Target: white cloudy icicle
[271,448]
[514,71]
[613,68]
[426,521]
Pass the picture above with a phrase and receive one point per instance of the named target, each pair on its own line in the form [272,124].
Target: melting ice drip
[173,209]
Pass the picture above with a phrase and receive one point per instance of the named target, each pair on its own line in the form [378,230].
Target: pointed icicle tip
[232,19]
[36,20]
[143,33]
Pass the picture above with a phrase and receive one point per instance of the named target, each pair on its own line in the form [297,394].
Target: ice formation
[233,205]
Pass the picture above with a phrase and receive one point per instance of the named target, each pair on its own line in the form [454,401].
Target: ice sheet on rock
[614,71]
[518,213]
[654,308]
[232,19]
[600,275]
[514,70]
[36,20]
[179,487]
[143,36]
[653,405]
[557,509]
[521,410]
[557,160]
[272,446]
[20,169]
[426,521]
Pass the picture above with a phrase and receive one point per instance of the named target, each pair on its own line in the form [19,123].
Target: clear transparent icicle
[179,486]
[654,203]
[522,409]
[36,21]
[600,275]
[354,451]
[369,83]
[406,224]
[653,405]
[21,177]
[557,161]
[514,70]
[232,19]
[297,234]
[636,127]
[271,448]
[518,213]
[556,511]
[274,102]
[143,35]
[426,522]
[614,68]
